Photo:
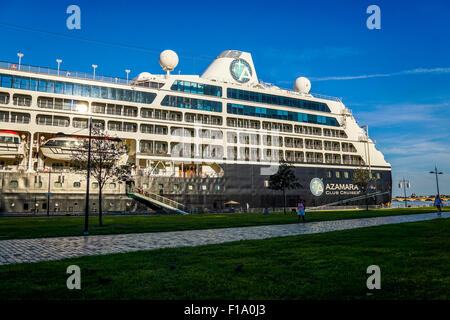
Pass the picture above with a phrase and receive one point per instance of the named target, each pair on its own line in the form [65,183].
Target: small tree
[362,178]
[284,179]
[108,161]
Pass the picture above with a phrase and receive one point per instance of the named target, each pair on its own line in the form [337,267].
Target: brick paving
[44,249]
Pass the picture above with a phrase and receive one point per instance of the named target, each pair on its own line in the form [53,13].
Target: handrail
[62,73]
[159,198]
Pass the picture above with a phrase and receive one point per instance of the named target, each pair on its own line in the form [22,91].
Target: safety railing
[64,73]
[159,198]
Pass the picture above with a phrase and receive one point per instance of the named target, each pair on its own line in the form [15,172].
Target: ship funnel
[232,66]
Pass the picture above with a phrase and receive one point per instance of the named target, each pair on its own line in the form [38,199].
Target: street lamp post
[20,55]
[58,61]
[95,67]
[48,193]
[436,172]
[127,71]
[406,185]
[86,212]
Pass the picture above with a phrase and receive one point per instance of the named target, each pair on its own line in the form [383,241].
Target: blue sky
[396,80]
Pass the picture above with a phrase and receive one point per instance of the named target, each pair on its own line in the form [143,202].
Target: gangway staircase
[157,201]
[342,202]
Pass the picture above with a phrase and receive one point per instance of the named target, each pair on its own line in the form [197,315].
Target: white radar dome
[168,60]
[144,76]
[302,85]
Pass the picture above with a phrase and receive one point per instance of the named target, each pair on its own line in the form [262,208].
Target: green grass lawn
[414,259]
[36,227]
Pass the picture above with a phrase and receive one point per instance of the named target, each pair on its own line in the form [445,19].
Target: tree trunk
[367,202]
[284,196]
[100,206]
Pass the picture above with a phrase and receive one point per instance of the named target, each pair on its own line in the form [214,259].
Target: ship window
[50,86]
[59,87]
[99,124]
[13,184]
[329,174]
[4,116]
[115,126]
[338,174]
[21,100]
[6,81]
[198,88]
[80,123]
[190,103]
[95,185]
[203,187]
[58,184]
[280,114]
[77,90]
[4,97]
[112,185]
[346,175]
[68,88]
[190,187]
[76,184]
[277,100]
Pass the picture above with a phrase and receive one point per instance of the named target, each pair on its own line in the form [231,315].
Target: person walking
[300,211]
[266,211]
[438,204]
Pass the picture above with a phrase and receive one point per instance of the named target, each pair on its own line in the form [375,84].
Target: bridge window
[280,114]
[277,100]
[191,103]
[198,88]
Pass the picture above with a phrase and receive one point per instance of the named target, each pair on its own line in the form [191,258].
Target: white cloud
[378,75]
[403,114]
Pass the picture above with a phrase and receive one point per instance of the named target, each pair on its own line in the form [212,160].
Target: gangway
[157,200]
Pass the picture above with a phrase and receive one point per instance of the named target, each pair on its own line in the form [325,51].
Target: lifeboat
[11,146]
[62,148]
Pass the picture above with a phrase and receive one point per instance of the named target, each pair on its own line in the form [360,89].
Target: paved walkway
[34,250]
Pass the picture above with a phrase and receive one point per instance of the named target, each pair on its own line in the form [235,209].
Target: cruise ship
[197,143]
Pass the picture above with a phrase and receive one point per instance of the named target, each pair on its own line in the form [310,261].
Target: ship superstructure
[200,141]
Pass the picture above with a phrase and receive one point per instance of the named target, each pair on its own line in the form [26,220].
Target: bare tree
[107,161]
[363,178]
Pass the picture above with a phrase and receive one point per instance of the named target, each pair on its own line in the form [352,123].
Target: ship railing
[64,73]
[315,95]
[159,198]
[325,97]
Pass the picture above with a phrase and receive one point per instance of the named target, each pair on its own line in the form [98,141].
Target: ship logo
[240,70]
[316,187]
